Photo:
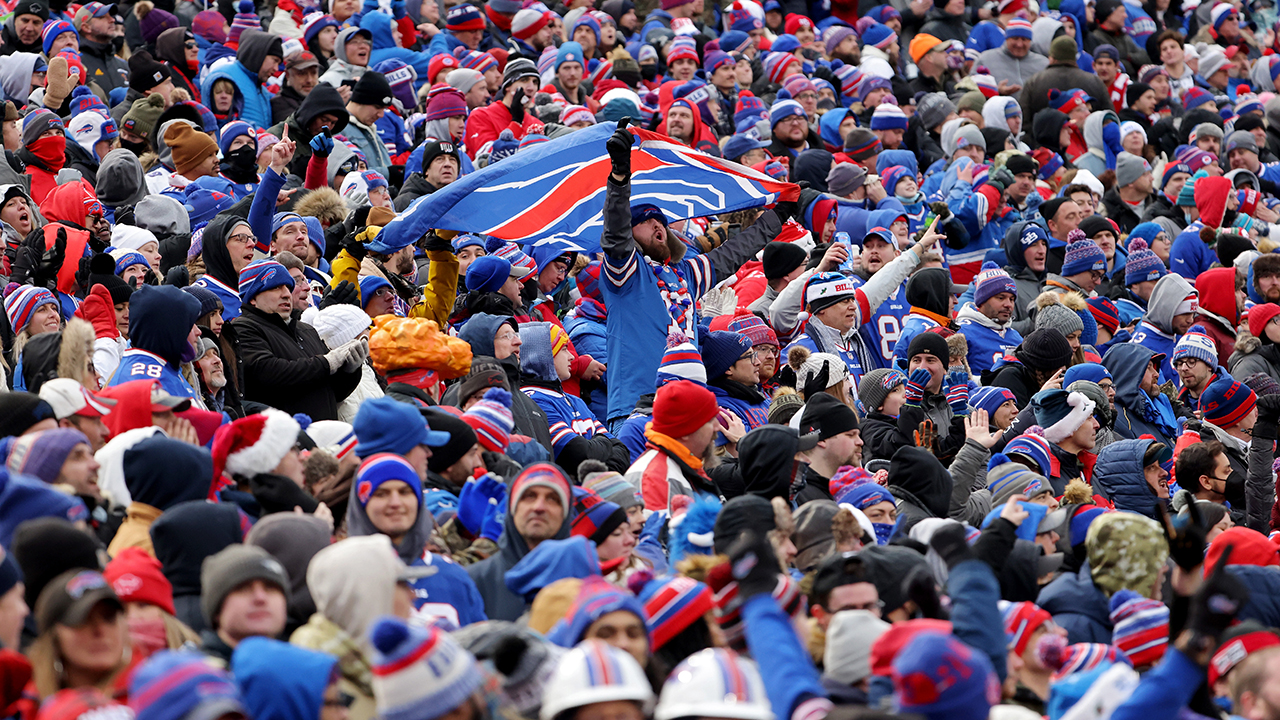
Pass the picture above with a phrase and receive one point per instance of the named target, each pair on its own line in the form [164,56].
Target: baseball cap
[162,401]
[68,397]
[70,597]
[302,61]
[93,10]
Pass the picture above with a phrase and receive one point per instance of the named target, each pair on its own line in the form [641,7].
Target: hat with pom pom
[1196,344]
[1141,627]
[419,673]
[1143,264]
[491,420]
[671,604]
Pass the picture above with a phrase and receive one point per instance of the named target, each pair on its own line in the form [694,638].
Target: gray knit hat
[1240,140]
[232,567]
[844,178]
[933,109]
[1060,317]
[1207,129]
[783,407]
[1130,167]
[876,385]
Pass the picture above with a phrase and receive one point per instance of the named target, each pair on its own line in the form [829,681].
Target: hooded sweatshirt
[160,319]
[921,484]
[1218,313]
[928,293]
[220,276]
[567,415]
[15,76]
[499,602]
[1156,329]
[1189,255]
[413,543]
[1118,476]
[255,45]
[768,465]
[322,99]
[340,68]
[1047,128]
[183,537]
[293,539]
[1136,412]
[121,181]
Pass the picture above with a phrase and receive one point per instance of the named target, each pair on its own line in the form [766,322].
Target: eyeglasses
[507,337]
[243,239]
[748,356]
[342,701]
[190,45]
[1184,362]
[1108,386]
[875,606]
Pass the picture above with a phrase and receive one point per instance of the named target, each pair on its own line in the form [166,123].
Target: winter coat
[135,531]
[1121,212]
[922,486]
[368,142]
[1035,92]
[1078,606]
[1136,412]
[255,100]
[356,672]
[485,124]
[322,99]
[946,27]
[1252,356]
[1004,66]
[489,574]
[183,537]
[1156,329]
[1118,477]
[284,366]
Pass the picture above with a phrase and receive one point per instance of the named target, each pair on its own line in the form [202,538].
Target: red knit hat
[137,577]
[888,645]
[681,407]
[254,444]
[1249,547]
[1259,316]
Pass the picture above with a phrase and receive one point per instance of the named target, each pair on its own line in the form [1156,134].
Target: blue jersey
[567,416]
[882,329]
[450,593]
[987,346]
[752,416]
[138,364]
[230,297]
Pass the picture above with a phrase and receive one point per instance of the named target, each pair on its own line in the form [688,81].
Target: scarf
[940,319]
[678,452]
[1159,412]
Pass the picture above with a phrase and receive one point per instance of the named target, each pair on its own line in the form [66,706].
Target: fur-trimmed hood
[324,204]
[64,354]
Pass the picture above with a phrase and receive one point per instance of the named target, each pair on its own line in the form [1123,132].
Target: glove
[517,106]
[619,147]
[358,354]
[98,309]
[24,263]
[47,271]
[495,516]
[321,145]
[916,384]
[1269,409]
[82,271]
[1186,536]
[1001,178]
[958,392]
[433,242]
[337,357]
[754,564]
[950,544]
[1215,604]
[824,73]
[178,276]
[398,9]
[354,247]
[57,83]
[653,526]
[473,501]
[346,293]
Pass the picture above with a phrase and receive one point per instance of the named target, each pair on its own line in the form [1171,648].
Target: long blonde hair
[48,673]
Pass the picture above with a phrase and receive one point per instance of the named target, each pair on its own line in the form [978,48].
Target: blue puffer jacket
[1078,606]
[1118,476]
[255,46]
[1264,593]
[379,25]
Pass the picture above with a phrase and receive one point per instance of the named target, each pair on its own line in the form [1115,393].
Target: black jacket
[922,484]
[415,186]
[285,104]
[322,99]
[1120,211]
[1017,378]
[1162,206]
[283,366]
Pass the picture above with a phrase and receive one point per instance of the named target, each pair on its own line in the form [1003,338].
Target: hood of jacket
[812,167]
[993,114]
[15,76]
[171,47]
[901,158]
[340,45]
[1217,289]
[480,329]
[552,560]
[1169,292]
[1075,593]
[766,459]
[1118,476]
[65,204]
[255,46]
[217,259]
[379,24]
[1043,31]
[512,547]
[930,289]
[162,472]
[188,533]
[971,313]
[1211,200]
[350,591]
[918,472]
[1047,126]
[1127,363]
[829,129]
[1093,130]
[1014,251]
[293,539]
[322,99]
[121,180]
[410,546]
[279,680]
[536,358]
[160,319]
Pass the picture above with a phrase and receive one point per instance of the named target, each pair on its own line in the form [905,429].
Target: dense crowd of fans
[973,415]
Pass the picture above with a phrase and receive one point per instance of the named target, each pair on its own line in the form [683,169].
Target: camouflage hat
[1126,551]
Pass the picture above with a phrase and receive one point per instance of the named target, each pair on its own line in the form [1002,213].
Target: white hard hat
[595,672]
[717,683]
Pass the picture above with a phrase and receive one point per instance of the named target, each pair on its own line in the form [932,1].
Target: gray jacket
[1006,67]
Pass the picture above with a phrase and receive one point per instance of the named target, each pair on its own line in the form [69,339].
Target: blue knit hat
[1083,256]
[741,144]
[720,350]
[1196,344]
[369,284]
[1226,402]
[233,130]
[941,678]
[1146,231]
[262,275]
[203,205]
[783,109]
[487,273]
[467,240]
[1143,264]
[990,398]
[171,685]
[1093,372]
[209,302]
[281,219]
[640,213]
[381,468]
[862,495]
[52,29]
[596,598]
[569,52]
[893,175]
[127,259]
[419,673]
[992,281]
[384,425]
[1034,447]
[315,232]
[888,116]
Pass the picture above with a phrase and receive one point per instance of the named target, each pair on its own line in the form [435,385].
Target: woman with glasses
[226,248]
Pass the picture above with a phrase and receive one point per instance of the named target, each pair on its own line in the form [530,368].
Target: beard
[217,381]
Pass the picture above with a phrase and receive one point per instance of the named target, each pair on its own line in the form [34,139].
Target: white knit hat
[337,324]
[129,237]
[847,657]
[419,673]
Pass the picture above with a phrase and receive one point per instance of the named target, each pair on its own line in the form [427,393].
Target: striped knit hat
[1104,312]
[595,519]
[1006,478]
[754,328]
[262,275]
[614,488]
[888,116]
[381,468]
[1083,256]
[245,19]
[1034,447]
[776,65]
[478,61]
[672,604]
[1021,619]
[986,85]
[1141,627]
[22,301]
[1083,657]
[1196,344]
[681,361]
[1143,264]
[172,685]
[541,475]
[513,254]
[419,673]
[825,289]
[1226,402]
[491,420]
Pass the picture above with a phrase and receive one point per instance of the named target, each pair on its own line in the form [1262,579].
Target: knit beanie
[491,420]
[541,475]
[337,324]
[262,275]
[614,488]
[935,108]
[1197,344]
[940,678]
[992,281]
[152,21]
[876,385]
[1045,349]
[1006,478]
[232,567]
[720,350]
[1140,627]
[672,604]
[1060,317]
[21,302]
[990,398]
[461,439]
[780,258]
[888,117]
[138,577]
[681,361]
[145,73]
[189,146]
[755,330]
[1130,167]
[246,18]
[182,684]
[419,673]
[527,23]
[1061,413]
[680,408]
[1226,402]
[1083,256]
[42,454]
[1143,264]
[1021,620]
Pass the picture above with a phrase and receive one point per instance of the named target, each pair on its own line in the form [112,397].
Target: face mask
[148,635]
[883,532]
[649,72]
[242,164]
[52,151]
[188,352]
[137,148]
